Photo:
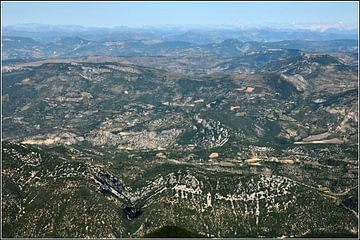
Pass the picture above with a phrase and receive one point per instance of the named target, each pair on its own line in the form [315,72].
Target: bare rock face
[297,81]
[214,155]
[53,139]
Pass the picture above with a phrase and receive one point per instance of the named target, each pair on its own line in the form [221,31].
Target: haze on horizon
[310,15]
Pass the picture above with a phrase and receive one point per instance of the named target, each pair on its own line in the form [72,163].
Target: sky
[139,14]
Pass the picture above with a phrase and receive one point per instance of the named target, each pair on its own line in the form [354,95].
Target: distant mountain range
[48,33]
[23,47]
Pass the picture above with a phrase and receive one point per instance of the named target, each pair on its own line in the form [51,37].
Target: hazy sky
[136,14]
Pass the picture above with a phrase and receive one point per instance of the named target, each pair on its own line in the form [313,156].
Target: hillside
[244,146]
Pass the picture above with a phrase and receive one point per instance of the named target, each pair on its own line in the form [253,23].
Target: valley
[245,139]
